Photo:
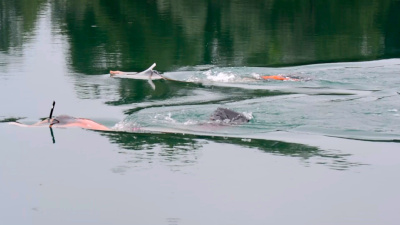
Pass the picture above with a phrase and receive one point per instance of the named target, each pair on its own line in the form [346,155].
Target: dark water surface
[322,150]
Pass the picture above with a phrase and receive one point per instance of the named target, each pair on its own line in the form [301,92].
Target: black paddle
[52,135]
[51,111]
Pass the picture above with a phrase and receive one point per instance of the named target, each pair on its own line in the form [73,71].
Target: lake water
[322,150]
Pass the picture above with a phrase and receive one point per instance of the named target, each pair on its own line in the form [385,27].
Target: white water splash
[219,76]
[126,126]
[167,117]
[190,122]
[248,115]
[256,76]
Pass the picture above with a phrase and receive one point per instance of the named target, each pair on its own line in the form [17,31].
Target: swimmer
[65,121]
[227,116]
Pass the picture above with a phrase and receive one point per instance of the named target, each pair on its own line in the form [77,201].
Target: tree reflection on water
[131,34]
[179,150]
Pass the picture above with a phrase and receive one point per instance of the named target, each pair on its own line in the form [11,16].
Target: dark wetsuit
[224,115]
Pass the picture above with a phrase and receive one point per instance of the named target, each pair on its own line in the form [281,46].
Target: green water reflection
[130,35]
[17,22]
[182,149]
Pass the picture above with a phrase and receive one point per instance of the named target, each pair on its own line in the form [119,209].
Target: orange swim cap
[275,77]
